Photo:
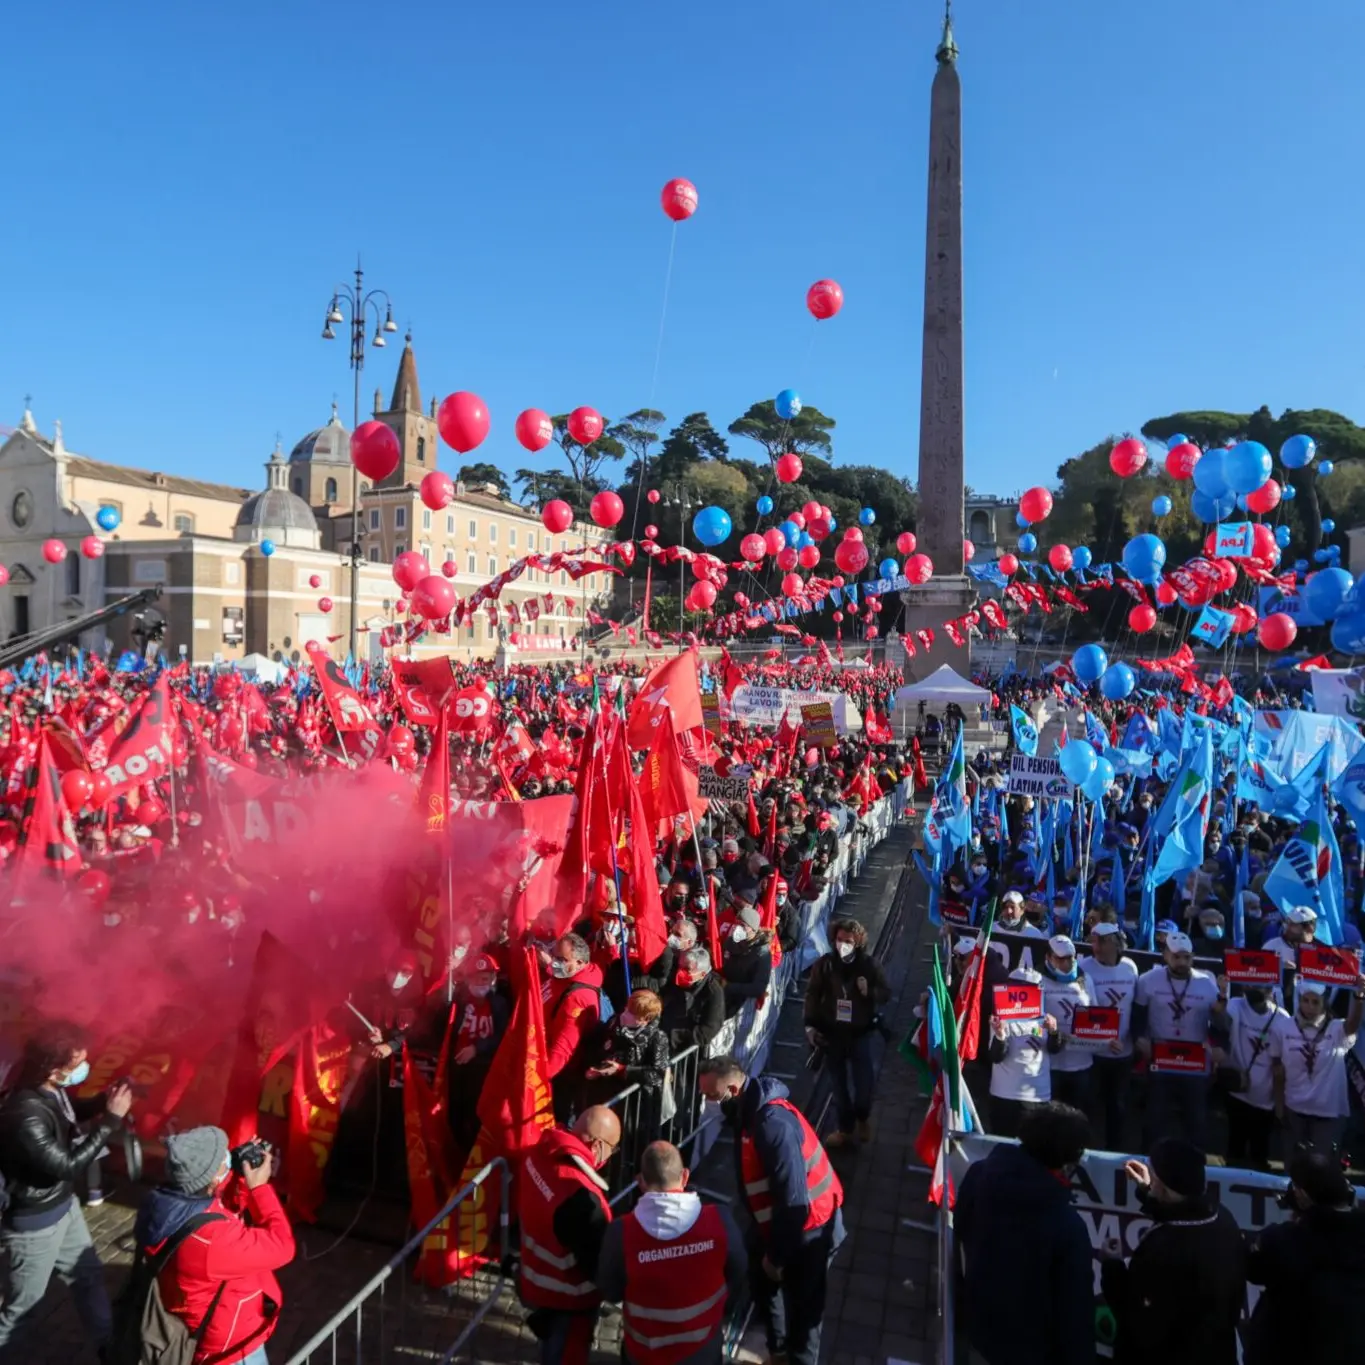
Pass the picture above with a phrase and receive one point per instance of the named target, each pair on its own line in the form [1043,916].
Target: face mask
[845,951]
[781,900]
[729,858]
[738,934]
[630,1023]
[112,920]
[685,978]
[674,942]
[400,979]
[1214,932]
[1058,974]
[561,969]
[480,990]
[77,1075]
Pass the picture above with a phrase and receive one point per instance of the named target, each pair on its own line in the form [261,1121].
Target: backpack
[606,1011]
[145,1333]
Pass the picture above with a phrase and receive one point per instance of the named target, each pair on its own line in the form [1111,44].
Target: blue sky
[1163,209]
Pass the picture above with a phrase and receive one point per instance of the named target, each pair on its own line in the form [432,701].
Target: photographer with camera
[218,1240]
[1311,1269]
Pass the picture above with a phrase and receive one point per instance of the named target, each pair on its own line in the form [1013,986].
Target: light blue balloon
[866,517]
[1178,439]
[1242,503]
[764,505]
[1245,467]
[1321,556]
[1328,525]
[712,525]
[1077,760]
[1208,473]
[1081,558]
[1288,493]
[1161,506]
[791,533]
[1144,557]
[1300,565]
[1298,451]
[1097,784]
[888,568]
[1117,681]
[788,404]
[833,522]
[1209,509]
[1323,592]
[1348,633]
[267,548]
[1325,468]
[1028,542]
[1089,661]
[804,539]
[107,518]
[1021,521]
[1283,536]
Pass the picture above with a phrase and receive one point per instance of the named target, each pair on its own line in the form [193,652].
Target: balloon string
[663,315]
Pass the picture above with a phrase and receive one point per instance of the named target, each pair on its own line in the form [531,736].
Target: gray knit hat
[195,1158]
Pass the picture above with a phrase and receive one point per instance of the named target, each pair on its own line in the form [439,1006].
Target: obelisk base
[927,607]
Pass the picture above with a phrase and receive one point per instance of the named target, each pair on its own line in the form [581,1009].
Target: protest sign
[817,720]
[767,705]
[1332,966]
[1251,967]
[1017,1000]
[1212,627]
[1182,1058]
[1234,540]
[710,714]
[1093,1028]
[731,787]
[1037,777]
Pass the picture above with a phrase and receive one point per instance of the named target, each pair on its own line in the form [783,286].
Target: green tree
[807,433]
[484,473]
[540,486]
[636,432]
[585,461]
[693,440]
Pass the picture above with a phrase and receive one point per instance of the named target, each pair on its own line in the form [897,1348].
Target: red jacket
[571,1014]
[244,1259]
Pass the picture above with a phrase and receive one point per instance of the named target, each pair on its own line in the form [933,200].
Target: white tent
[264,670]
[942,686]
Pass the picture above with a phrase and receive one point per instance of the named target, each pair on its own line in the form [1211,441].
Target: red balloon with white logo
[462,420]
[851,556]
[437,490]
[786,558]
[652,497]
[409,569]
[92,547]
[968,551]
[774,540]
[1008,564]
[1277,631]
[607,509]
[433,598]
[1181,460]
[906,542]
[753,547]
[919,568]
[1059,556]
[824,299]
[703,594]
[449,569]
[401,741]
[791,584]
[54,551]
[1036,504]
[1128,457]
[77,788]
[1266,498]
[325,604]
[651,532]
[1142,618]
[375,451]
[556,515]
[585,425]
[679,199]
[808,556]
[315,580]
[534,429]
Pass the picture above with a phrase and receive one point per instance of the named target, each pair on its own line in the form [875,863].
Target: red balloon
[1142,618]
[77,788]
[652,496]
[851,556]
[1227,574]
[433,598]
[774,540]
[679,199]
[919,568]
[791,584]
[704,593]
[325,605]
[4,575]
[556,516]
[401,606]
[786,558]
[315,580]
[1059,556]
[1181,460]
[1128,457]
[534,429]
[741,600]
[462,420]
[854,533]
[1036,504]
[788,467]
[1165,594]
[54,551]
[753,547]
[811,510]
[375,451]
[1263,542]
[838,580]
[1008,564]
[92,547]
[798,519]
[607,509]
[437,490]
[1277,631]
[153,812]
[101,789]
[449,569]
[968,550]
[872,632]
[824,298]
[1265,499]
[94,884]
[401,741]
[585,425]
[838,617]
[808,556]
[906,542]
[818,527]
[651,532]
[1244,618]
[409,569]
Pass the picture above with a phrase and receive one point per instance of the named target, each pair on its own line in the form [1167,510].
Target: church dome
[276,513]
[327,445]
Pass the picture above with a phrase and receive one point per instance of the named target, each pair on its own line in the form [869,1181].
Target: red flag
[672,688]
[651,934]
[143,748]
[712,925]
[422,687]
[347,711]
[47,839]
[426,888]
[666,786]
[767,914]
[314,1111]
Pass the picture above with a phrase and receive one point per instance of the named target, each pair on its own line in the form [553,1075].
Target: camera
[250,1155]
[1286,1200]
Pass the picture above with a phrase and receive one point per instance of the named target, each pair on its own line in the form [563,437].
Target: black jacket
[1039,1310]
[38,1156]
[643,1052]
[1312,1270]
[1178,1299]
[693,1014]
[748,970]
[832,980]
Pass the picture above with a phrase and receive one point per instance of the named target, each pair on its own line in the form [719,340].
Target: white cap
[1301,914]
[1061,946]
[965,944]
[1104,928]
[1026,974]
[1312,987]
[1012,898]
[1179,943]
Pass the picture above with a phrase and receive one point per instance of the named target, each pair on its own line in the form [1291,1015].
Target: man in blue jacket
[794,1201]
[1014,1211]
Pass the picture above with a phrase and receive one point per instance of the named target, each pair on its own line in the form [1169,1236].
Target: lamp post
[351,306]
[685,499]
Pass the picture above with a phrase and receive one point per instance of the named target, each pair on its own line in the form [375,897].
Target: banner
[767,705]
[817,720]
[1037,777]
[144,745]
[1271,600]
[732,787]
[1235,540]
[1212,627]
[1339,692]
[1017,1000]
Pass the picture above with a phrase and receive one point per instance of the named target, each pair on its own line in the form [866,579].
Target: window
[374,518]
[421,450]
[184,524]
[492,563]
[374,554]
[426,552]
[473,529]
[563,578]
[232,572]
[73,575]
[563,546]
[330,490]
[450,523]
[980,532]
[400,518]
[298,485]
[399,549]
[426,518]
[512,537]
[473,563]
[530,540]
[492,533]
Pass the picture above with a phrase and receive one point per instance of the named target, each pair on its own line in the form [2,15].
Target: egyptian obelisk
[939,529]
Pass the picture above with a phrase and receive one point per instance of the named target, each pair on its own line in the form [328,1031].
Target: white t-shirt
[1314,1062]
[1251,1052]
[1061,1000]
[1177,1011]
[1023,927]
[1114,987]
[1288,953]
[1023,1073]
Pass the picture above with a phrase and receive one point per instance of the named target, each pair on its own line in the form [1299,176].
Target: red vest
[675,1290]
[550,1277]
[823,1190]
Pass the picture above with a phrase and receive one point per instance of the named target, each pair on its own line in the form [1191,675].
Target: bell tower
[416,430]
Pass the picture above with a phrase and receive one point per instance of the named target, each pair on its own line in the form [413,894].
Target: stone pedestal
[941,599]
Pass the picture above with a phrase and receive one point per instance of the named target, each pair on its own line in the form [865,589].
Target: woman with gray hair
[693,1002]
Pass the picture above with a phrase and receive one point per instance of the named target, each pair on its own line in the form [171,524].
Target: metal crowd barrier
[359,1334]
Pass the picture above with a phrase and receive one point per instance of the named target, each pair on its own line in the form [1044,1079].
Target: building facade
[991,526]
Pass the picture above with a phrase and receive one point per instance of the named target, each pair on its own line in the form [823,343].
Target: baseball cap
[1013,898]
[1026,974]
[1311,987]
[749,917]
[1103,929]
[1061,946]
[1167,926]
[485,962]
[1301,914]
[965,944]
[1179,943]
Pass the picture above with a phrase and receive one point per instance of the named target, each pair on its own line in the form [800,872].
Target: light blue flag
[1077,925]
[1309,873]
[1239,922]
[933,879]
[1118,884]
[1025,731]
[1146,932]
[1095,732]
[1182,821]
